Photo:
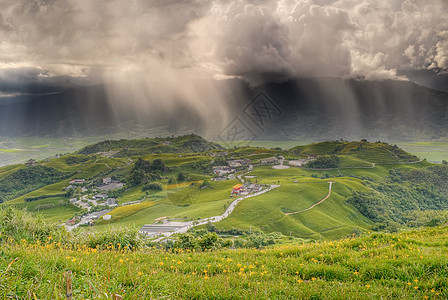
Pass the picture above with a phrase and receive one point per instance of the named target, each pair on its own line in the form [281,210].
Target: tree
[204,184]
[158,165]
[70,192]
[182,176]
[152,186]
[208,241]
[210,226]
[143,165]
[187,241]
[220,161]
[136,177]
[324,162]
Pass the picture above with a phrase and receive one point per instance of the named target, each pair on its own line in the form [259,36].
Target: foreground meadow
[409,265]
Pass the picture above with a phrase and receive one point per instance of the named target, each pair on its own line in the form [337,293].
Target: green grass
[194,195]
[132,194]
[372,152]
[266,212]
[264,144]
[432,151]
[183,203]
[329,220]
[34,146]
[353,162]
[41,146]
[10,150]
[409,265]
[59,214]
[52,209]
[4,171]
[126,211]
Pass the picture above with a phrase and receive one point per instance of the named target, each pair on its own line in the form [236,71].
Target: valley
[223,149]
[188,179]
[186,212]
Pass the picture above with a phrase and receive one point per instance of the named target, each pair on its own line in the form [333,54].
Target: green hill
[125,148]
[372,152]
[36,260]
[180,165]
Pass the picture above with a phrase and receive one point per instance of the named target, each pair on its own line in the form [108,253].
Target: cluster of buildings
[109,201]
[109,184]
[100,199]
[223,170]
[227,172]
[236,163]
[270,161]
[246,189]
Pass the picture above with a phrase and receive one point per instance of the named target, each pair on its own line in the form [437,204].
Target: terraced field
[300,188]
[329,219]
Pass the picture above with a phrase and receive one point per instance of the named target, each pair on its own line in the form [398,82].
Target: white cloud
[253,39]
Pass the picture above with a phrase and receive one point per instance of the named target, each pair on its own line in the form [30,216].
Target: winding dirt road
[315,204]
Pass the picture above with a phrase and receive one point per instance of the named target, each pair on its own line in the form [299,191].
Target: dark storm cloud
[252,39]
[36,81]
[343,38]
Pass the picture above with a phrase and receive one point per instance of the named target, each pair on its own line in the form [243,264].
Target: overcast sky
[58,43]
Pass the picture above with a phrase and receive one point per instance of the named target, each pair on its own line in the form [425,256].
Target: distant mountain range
[311,109]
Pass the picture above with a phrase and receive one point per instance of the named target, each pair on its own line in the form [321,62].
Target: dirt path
[315,204]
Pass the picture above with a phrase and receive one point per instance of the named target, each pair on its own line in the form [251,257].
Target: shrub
[152,186]
[22,225]
[31,199]
[324,162]
[118,238]
[183,176]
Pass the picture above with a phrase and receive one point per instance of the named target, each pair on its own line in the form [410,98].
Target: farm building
[269,161]
[31,163]
[236,188]
[161,219]
[111,202]
[77,181]
[222,170]
[239,162]
[246,189]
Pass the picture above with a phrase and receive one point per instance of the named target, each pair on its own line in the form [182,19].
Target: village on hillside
[94,197]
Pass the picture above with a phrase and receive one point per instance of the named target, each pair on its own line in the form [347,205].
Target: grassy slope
[353,162]
[332,218]
[264,144]
[184,202]
[409,265]
[372,152]
[432,151]
[4,171]
[60,210]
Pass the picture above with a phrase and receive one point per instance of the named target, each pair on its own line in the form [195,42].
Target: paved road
[240,177]
[87,218]
[317,203]
[229,210]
